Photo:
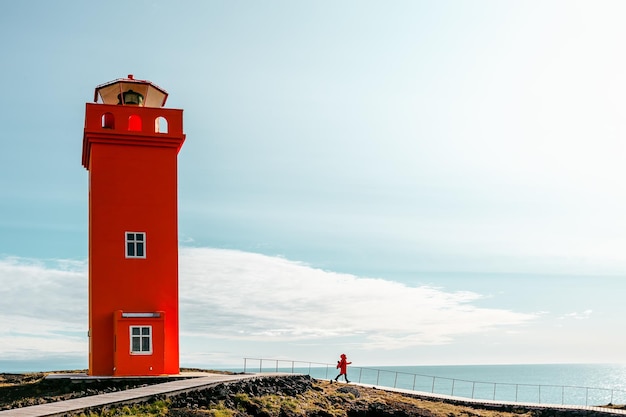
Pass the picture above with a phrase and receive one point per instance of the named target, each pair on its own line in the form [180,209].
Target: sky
[407,182]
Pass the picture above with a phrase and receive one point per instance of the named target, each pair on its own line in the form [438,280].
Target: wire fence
[495,391]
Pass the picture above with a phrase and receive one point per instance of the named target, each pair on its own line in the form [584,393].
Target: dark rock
[242,399]
[350,390]
[379,409]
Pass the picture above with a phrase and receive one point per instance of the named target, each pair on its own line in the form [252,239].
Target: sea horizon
[554,383]
[47,365]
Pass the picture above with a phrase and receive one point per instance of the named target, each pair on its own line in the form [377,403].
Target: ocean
[572,384]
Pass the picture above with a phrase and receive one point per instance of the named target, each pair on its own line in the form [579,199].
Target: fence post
[616,394]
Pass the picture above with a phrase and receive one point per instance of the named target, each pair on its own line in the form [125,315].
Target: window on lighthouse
[160,125]
[134,123]
[135,245]
[141,340]
[108,121]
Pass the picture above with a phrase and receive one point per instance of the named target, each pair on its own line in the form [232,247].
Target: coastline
[269,396]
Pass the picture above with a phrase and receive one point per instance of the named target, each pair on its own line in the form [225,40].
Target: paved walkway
[469,401]
[126,396]
[184,385]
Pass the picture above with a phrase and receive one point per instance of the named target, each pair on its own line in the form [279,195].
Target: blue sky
[408,182]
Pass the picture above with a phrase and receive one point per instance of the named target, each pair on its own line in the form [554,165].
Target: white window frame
[141,336]
[134,242]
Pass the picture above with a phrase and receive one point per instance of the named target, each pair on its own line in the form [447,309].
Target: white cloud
[240,297]
[43,308]
[55,292]
[583,315]
[231,294]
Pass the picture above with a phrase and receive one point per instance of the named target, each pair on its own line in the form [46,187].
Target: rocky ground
[289,396]
[22,390]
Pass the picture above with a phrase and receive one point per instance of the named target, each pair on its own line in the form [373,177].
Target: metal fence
[495,391]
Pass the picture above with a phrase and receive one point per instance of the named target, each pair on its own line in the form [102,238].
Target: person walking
[342,365]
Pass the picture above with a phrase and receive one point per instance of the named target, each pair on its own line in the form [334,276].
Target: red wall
[126,363]
[132,188]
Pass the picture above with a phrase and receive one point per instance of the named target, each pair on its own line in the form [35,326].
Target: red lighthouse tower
[130,148]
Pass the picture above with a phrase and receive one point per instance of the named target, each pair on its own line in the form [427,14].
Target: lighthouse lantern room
[130,148]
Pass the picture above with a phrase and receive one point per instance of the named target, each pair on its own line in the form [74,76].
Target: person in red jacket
[342,365]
